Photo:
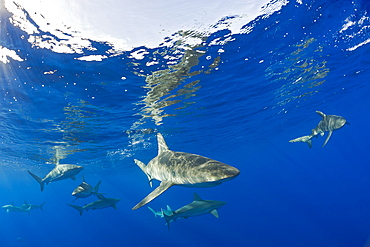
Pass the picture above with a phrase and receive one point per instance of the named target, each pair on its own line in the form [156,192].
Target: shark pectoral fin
[114,206]
[214,213]
[306,139]
[327,138]
[73,178]
[159,190]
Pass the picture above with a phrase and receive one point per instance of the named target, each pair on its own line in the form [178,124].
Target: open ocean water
[233,89]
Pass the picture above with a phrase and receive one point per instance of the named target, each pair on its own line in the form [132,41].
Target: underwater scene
[185,123]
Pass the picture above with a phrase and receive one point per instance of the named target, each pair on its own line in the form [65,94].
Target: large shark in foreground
[185,169]
[85,190]
[328,123]
[196,208]
[99,204]
[60,172]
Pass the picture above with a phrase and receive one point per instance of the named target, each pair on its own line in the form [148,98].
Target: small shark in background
[196,208]
[12,208]
[328,123]
[32,206]
[161,213]
[85,190]
[99,204]
[60,172]
[185,169]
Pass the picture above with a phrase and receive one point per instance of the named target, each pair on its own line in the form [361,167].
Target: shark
[12,208]
[328,123]
[25,205]
[161,213]
[184,169]
[196,208]
[103,202]
[85,190]
[59,172]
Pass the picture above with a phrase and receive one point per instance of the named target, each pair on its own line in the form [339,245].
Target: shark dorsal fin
[162,146]
[321,114]
[83,178]
[96,188]
[197,197]
[214,213]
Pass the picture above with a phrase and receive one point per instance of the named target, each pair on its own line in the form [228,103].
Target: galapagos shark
[59,172]
[32,206]
[196,208]
[85,190]
[99,204]
[328,123]
[161,213]
[12,208]
[184,169]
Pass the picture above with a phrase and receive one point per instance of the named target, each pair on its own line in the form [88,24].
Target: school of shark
[170,168]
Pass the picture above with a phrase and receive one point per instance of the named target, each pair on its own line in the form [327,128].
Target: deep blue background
[263,93]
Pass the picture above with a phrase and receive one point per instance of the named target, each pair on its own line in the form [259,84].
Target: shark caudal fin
[41,206]
[159,190]
[307,139]
[78,208]
[154,212]
[38,179]
[143,168]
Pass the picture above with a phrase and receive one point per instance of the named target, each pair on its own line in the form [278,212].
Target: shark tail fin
[38,179]
[41,206]
[143,168]
[78,208]
[154,212]
[306,139]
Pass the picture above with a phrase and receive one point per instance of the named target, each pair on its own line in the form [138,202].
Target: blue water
[238,101]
